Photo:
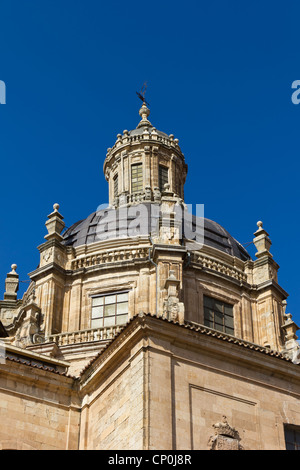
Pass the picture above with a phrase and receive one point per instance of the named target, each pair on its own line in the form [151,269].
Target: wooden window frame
[218,315]
[105,309]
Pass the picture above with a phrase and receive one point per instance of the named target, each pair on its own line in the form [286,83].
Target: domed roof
[89,231]
[150,129]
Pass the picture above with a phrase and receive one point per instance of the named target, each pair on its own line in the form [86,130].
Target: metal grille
[218,315]
[137,177]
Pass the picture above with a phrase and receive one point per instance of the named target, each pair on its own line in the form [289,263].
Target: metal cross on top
[142,93]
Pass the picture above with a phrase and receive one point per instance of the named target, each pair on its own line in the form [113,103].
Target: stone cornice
[213,265]
[11,304]
[125,142]
[107,257]
[190,336]
[46,270]
[32,359]
[271,284]
[50,244]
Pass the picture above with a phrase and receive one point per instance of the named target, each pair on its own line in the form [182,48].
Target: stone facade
[174,374]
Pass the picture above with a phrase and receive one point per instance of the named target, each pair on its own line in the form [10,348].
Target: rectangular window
[292,437]
[116,185]
[109,310]
[218,315]
[163,177]
[137,177]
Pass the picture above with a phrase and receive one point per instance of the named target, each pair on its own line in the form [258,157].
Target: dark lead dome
[100,225]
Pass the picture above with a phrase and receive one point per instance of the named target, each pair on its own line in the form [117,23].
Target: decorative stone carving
[292,347]
[157,194]
[29,331]
[111,256]
[123,199]
[47,254]
[173,309]
[148,193]
[225,438]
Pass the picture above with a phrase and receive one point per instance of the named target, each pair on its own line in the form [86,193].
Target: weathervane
[141,94]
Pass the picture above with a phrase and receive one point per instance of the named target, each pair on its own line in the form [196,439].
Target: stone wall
[113,412]
[37,410]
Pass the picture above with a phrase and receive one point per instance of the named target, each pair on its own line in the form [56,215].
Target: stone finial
[144,113]
[284,305]
[55,224]
[292,347]
[11,284]
[13,267]
[262,241]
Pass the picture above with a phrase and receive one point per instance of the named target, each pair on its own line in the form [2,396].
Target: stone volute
[141,162]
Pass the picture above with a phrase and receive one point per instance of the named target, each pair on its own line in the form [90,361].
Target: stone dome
[86,232]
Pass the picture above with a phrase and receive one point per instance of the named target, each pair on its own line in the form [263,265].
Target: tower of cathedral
[147,327]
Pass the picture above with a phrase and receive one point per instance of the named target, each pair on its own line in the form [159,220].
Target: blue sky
[219,78]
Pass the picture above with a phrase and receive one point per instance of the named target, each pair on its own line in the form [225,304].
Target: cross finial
[142,93]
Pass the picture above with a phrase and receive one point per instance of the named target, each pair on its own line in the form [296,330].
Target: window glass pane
[208,323]
[110,299]
[228,321]
[97,323]
[163,177]
[228,310]
[289,435]
[122,308]
[137,177]
[122,297]
[97,301]
[289,446]
[218,327]
[97,312]
[292,437]
[109,321]
[230,331]
[121,319]
[208,302]
[297,437]
[218,306]
[219,318]
[208,314]
[215,317]
[109,310]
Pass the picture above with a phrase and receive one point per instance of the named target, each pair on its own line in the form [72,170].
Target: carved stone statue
[173,309]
